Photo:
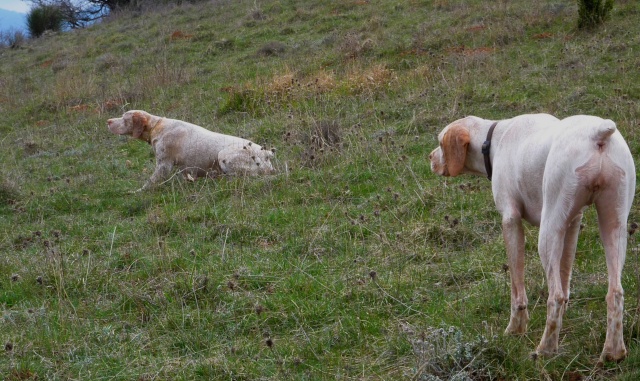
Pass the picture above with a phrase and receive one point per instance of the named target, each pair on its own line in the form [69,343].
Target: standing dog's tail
[601,169]
[602,132]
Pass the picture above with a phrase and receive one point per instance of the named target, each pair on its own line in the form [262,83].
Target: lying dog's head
[134,123]
[449,158]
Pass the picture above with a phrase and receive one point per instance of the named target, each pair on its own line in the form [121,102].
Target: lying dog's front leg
[162,171]
[514,241]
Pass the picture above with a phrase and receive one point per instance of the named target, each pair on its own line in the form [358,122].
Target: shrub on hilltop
[43,18]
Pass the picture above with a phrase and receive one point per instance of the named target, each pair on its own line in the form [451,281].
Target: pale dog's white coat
[546,171]
[194,150]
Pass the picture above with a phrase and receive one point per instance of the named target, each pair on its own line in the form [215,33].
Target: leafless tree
[79,13]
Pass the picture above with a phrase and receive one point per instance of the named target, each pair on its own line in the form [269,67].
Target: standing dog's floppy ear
[454,148]
[140,123]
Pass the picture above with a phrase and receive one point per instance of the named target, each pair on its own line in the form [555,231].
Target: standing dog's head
[134,123]
[449,158]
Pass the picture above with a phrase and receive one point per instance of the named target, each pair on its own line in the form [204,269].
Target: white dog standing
[194,150]
[546,172]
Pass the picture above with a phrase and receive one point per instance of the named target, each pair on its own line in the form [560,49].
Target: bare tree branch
[80,13]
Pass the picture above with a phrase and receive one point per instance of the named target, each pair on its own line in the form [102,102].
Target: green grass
[354,261]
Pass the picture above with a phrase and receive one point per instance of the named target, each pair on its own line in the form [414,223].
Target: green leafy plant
[43,18]
[592,13]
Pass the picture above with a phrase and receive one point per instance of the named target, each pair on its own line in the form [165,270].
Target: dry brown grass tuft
[291,84]
[272,49]
[324,81]
[180,35]
[9,191]
[371,79]
[281,84]
[470,52]
[354,45]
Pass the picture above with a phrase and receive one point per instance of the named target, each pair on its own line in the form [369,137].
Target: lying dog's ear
[454,148]
[140,123]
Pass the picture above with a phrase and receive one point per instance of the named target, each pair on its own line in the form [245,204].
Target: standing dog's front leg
[514,242]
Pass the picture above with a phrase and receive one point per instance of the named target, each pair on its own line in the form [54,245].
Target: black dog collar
[486,149]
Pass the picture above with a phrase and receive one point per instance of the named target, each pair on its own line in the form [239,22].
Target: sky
[15,5]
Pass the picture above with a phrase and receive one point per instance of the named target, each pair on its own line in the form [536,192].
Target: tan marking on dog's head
[132,122]
[448,159]
[454,148]
[140,123]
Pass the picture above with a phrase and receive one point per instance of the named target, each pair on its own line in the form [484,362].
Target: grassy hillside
[354,261]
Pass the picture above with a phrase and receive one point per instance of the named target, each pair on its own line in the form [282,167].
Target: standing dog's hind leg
[613,223]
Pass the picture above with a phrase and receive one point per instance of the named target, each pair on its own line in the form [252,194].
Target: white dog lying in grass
[194,150]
